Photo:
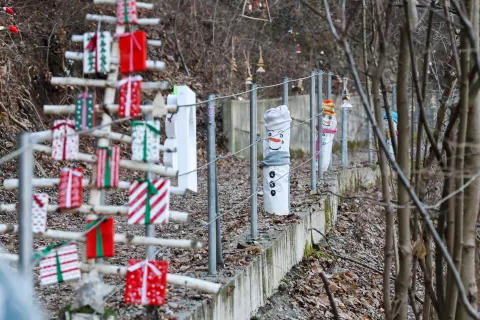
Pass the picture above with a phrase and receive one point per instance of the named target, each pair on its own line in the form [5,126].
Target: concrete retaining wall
[251,288]
[236,122]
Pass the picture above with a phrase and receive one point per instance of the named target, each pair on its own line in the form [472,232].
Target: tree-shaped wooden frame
[254,18]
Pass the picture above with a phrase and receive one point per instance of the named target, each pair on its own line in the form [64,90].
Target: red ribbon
[92,46]
[37,200]
[58,126]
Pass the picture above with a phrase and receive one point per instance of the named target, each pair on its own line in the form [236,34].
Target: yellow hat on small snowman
[328,107]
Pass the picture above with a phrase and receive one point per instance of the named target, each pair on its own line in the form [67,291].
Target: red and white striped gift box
[60,265]
[70,195]
[148,202]
[39,212]
[108,167]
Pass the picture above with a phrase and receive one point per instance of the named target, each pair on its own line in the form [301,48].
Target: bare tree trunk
[452,290]
[472,192]
[405,250]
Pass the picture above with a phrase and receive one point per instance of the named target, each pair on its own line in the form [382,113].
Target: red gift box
[133,52]
[70,188]
[146,282]
[99,240]
[130,96]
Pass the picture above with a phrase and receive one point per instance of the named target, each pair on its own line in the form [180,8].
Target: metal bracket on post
[212,201]
[319,122]
[25,174]
[253,163]
[313,175]
[150,228]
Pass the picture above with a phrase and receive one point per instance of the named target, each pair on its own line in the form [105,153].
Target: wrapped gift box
[96,46]
[148,201]
[39,212]
[99,240]
[146,282]
[133,52]
[70,195]
[146,141]
[65,143]
[59,264]
[108,167]
[130,96]
[85,117]
[126,12]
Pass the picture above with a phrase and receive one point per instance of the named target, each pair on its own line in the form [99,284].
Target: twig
[176,39]
[330,295]
[18,123]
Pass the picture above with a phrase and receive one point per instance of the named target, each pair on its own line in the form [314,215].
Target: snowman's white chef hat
[277,118]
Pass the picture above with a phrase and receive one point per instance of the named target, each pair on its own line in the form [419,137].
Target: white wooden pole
[174,216]
[151,64]
[188,282]
[153,43]
[129,164]
[140,5]
[118,238]
[112,108]
[113,20]
[110,83]
[10,184]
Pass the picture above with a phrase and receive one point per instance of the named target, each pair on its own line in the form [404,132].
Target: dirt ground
[234,188]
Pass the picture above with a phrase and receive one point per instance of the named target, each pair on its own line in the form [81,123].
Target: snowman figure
[329,128]
[276,161]
[387,129]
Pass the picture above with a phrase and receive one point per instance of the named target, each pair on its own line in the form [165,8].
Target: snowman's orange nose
[274,140]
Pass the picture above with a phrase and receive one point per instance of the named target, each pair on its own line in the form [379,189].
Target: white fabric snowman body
[276,161]
[329,128]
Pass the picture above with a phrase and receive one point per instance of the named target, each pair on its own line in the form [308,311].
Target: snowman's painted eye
[281,135]
[330,117]
[269,134]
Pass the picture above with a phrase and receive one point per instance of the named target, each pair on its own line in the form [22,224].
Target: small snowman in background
[276,161]
[329,128]
[387,129]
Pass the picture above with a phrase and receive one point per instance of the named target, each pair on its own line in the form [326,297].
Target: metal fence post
[25,174]
[319,122]
[329,97]
[253,162]
[212,201]
[313,175]
[344,132]
[285,91]
[217,223]
[149,228]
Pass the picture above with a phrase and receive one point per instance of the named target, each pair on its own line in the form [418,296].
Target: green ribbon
[151,190]
[59,268]
[125,10]
[147,126]
[108,182]
[98,238]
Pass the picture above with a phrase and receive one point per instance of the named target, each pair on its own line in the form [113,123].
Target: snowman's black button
[273,193]
[272,184]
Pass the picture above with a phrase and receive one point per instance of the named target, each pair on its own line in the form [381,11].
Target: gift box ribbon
[107,177]
[147,127]
[71,173]
[125,11]
[61,125]
[38,201]
[151,190]
[146,265]
[98,237]
[128,82]
[84,96]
